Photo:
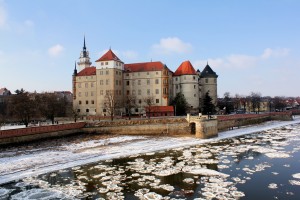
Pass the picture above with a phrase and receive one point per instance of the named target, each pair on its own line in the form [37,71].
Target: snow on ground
[16,164]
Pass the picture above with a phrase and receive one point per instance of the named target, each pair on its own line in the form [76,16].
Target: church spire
[84,59]
[75,70]
[84,47]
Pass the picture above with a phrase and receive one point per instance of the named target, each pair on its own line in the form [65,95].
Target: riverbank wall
[40,132]
[226,122]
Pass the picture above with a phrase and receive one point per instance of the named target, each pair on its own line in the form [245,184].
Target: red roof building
[186,68]
[109,55]
[89,71]
[143,67]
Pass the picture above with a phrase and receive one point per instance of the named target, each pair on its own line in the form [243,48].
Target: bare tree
[2,120]
[129,104]
[51,105]
[149,101]
[255,101]
[111,104]
[23,107]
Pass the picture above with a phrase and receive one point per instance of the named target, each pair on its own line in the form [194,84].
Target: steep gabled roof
[88,71]
[142,67]
[208,73]
[109,55]
[186,68]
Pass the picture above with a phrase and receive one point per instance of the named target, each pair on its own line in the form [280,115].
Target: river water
[263,165]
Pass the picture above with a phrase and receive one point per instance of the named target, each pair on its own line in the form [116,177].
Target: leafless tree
[22,105]
[129,104]
[2,120]
[255,101]
[149,101]
[111,104]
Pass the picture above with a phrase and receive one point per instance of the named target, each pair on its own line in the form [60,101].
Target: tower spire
[84,47]
[75,69]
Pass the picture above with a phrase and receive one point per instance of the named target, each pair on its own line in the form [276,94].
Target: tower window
[206,80]
[86,102]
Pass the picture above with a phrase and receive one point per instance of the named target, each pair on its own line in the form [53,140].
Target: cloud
[56,50]
[3,16]
[279,52]
[171,45]
[241,61]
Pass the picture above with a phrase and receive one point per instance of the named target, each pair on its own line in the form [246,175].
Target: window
[101,72]
[79,85]
[107,81]
[104,110]
[117,82]
[79,94]
[139,92]
[92,94]
[194,78]
[165,91]
[148,91]
[176,86]
[156,81]
[157,91]
[107,92]
[101,92]
[184,78]
[194,95]
[148,81]
[156,73]
[136,110]
[86,102]
[78,110]
[106,72]
[92,102]
[127,82]
[79,102]
[147,73]
[138,73]
[92,84]
[133,92]
[86,94]
[120,92]
[128,92]
[194,86]
[87,110]
[101,82]
[157,100]
[127,74]
[86,85]
[133,82]
[106,63]
[176,79]
[102,63]
[140,101]
[117,71]
[206,80]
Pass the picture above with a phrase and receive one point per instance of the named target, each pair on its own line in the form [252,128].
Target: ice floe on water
[297,175]
[272,186]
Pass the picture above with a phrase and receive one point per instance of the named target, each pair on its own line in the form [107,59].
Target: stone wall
[35,133]
[163,126]
[229,121]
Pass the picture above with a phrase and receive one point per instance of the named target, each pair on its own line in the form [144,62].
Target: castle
[112,84]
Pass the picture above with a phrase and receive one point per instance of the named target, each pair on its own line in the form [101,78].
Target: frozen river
[260,162]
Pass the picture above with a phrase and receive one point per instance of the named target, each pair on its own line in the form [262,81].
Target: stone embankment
[39,132]
[154,126]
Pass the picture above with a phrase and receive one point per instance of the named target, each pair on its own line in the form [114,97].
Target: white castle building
[112,80]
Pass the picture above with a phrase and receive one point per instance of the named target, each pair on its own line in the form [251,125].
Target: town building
[133,88]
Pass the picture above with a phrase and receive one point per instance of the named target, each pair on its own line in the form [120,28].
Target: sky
[253,45]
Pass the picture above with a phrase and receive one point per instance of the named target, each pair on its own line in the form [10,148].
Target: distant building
[146,80]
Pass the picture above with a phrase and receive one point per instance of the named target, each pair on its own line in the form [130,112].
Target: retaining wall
[35,133]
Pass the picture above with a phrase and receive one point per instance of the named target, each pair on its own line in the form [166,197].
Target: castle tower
[84,59]
[185,80]
[74,81]
[208,83]
[109,72]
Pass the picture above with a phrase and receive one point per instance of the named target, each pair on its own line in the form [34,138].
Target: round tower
[84,59]
[208,83]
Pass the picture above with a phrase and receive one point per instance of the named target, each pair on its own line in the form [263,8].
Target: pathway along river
[263,165]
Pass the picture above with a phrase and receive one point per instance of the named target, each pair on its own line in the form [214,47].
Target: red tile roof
[157,109]
[146,66]
[109,55]
[88,71]
[186,68]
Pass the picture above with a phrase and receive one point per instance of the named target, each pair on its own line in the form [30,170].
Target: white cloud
[171,45]
[56,50]
[240,61]
[3,16]
[279,52]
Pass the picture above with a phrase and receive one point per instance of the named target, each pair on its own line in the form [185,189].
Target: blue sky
[254,46]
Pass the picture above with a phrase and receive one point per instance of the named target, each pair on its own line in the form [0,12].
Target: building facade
[130,88]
